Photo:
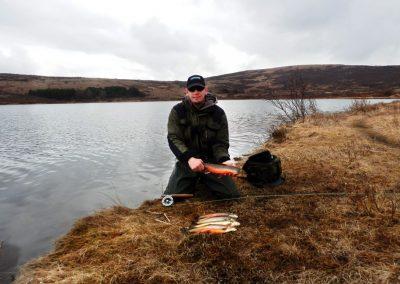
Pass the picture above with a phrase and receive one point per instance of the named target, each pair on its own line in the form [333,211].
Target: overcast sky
[169,40]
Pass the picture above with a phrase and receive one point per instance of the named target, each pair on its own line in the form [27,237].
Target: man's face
[196,95]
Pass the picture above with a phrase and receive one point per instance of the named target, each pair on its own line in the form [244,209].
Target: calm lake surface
[61,162]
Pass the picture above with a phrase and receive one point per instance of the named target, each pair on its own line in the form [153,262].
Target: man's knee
[180,181]
[223,186]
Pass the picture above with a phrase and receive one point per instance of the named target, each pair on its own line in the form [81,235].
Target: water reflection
[61,162]
[9,255]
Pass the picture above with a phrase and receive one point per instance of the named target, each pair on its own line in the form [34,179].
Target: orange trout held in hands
[220,169]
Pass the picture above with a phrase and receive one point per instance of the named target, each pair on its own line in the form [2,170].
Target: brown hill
[322,80]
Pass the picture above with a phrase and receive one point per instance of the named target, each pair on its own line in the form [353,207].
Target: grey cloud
[340,31]
[17,61]
[273,33]
[169,51]
[370,28]
[56,24]
[156,37]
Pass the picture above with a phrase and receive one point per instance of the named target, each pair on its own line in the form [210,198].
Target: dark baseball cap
[195,80]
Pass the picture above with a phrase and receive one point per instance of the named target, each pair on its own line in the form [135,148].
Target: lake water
[61,162]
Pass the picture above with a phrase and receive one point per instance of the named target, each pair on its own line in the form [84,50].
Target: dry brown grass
[313,239]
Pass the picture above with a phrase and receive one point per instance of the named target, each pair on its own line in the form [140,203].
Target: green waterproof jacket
[198,132]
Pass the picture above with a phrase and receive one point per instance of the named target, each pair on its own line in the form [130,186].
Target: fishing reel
[167,200]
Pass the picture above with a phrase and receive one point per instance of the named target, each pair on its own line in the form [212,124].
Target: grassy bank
[352,238]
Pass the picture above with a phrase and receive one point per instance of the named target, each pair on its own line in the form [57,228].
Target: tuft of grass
[363,106]
[359,105]
[278,133]
[396,121]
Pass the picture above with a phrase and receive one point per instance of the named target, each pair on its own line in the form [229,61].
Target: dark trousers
[183,180]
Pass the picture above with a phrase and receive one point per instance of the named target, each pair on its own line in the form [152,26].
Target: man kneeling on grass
[198,134]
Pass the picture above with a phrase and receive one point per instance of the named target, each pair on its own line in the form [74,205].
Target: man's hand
[196,165]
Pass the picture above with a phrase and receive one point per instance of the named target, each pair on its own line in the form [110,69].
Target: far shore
[25,100]
[316,81]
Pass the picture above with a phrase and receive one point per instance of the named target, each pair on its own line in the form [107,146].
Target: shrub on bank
[122,92]
[58,94]
[90,93]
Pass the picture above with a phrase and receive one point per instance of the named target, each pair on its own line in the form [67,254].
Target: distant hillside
[322,80]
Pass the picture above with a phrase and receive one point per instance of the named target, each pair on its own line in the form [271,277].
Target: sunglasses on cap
[196,88]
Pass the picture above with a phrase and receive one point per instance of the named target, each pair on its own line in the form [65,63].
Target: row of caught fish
[217,223]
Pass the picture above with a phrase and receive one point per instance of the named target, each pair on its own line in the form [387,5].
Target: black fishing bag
[263,169]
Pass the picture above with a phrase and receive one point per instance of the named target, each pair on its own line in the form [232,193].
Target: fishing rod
[220,169]
[170,198]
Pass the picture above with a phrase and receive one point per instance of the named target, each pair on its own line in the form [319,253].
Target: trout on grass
[212,230]
[218,223]
[215,223]
[215,219]
[220,169]
[212,215]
